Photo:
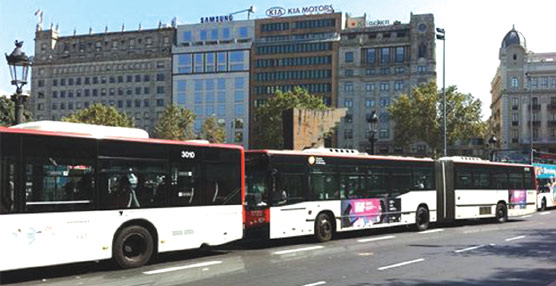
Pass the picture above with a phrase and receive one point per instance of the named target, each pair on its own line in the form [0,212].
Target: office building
[379,61]
[294,51]
[129,70]
[523,90]
[211,74]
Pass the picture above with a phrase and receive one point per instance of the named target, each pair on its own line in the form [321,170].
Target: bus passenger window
[7,185]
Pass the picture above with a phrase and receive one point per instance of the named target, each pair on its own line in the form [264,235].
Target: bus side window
[7,185]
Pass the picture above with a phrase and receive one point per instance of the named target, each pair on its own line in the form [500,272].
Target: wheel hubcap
[134,246]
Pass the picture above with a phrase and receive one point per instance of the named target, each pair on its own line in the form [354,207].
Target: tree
[7,112]
[212,131]
[419,117]
[100,114]
[176,123]
[269,116]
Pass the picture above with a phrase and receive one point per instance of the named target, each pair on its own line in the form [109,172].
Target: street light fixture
[492,145]
[441,35]
[19,65]
[372,122]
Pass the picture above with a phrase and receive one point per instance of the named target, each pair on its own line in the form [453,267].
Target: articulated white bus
[322,191]
[84,193]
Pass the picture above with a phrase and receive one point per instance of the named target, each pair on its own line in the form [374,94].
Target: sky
[474,28]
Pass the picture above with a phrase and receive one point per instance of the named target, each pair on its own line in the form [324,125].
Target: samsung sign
[212,19]
[318,9]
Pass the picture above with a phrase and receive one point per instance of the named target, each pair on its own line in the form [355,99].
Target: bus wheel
[323,228]
[501,213]
[543,204]
[422,218]
[133,247]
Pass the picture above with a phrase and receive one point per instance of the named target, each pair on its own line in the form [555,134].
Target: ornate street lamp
[372,122]
[19,65]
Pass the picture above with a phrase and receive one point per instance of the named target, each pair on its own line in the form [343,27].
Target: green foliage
[7,112]
[419,117]
[268,117]
[212,131]
[176,123]
[100,114]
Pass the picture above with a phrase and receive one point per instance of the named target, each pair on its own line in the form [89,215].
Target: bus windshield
[257,190]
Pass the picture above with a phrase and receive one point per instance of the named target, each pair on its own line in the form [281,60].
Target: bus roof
[479,161]
[313,152]
[110,135]
[97,131]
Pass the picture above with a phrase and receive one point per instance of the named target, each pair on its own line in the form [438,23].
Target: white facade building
[211,74]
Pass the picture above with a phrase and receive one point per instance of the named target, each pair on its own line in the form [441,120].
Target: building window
[398,85]
[185,63]
[236,61]
[515,82]
[160,102]
[385,55]
[371,56]
[243,32]
[369,103]
[384,86]
[370,86]
[421,69]
[348,72]
[187,36]
[348,103]
[349,57]
[400,55]
[159,89]
[348,86]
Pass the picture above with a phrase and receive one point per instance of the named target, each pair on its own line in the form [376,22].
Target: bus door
[288,214]
[445,198]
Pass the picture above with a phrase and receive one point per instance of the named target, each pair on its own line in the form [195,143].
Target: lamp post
[19,65]
[441,35]
[372,122]
[529,80]
[492,145]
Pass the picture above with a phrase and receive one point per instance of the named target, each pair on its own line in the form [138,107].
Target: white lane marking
[526,216]
[376,238]
[170,269]
[316,283]
[401,264]
[298,250]
[544,213]
[431,231]
[470,248]
[515,238]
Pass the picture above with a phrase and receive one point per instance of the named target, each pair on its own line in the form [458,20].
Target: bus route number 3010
[188,154]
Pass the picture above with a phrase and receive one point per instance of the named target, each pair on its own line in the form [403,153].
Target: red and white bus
[322,191]
[84,193]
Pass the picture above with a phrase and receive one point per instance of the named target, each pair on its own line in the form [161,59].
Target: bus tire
[133,247]
[323,227]
[422,218]
[543,204]
[501,213]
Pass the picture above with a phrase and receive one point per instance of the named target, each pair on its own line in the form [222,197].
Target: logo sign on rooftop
[308,10]
[212,19]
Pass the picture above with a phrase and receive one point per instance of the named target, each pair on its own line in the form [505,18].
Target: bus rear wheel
[323,227]
[133,247]
[501,213]
[422,218]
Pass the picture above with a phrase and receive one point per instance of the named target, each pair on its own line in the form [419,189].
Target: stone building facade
[523,91]
[130,70]
[378,63]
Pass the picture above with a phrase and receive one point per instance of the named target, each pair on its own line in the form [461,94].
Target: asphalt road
[520,252]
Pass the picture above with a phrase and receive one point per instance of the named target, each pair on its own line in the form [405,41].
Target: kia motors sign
[308,10]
